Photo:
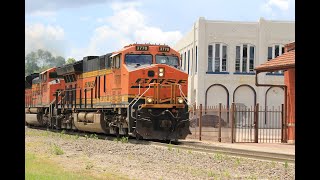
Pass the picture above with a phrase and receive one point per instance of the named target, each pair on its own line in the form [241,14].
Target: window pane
[185,61]
[192,59]
[244,58]
[276,51]
[238,59]
[188,60]
[217,58]
[217,53]
[282,50]
[269,53]
[196,58]
[210,58]
[133,59]
[224,58]
[251,59]
[169,60]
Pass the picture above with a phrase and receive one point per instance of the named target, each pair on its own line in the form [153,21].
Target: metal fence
[238,123]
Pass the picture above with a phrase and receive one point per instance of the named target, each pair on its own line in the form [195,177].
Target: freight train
[138,91]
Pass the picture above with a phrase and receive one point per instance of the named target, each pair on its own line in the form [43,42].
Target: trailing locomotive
[138,91]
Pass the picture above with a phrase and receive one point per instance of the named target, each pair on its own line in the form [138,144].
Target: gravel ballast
[138,161]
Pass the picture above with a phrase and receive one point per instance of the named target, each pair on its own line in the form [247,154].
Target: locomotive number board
[164,49]
[142,48]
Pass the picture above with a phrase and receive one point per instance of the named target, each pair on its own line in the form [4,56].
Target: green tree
[31,64]
[70,60]
[40,60]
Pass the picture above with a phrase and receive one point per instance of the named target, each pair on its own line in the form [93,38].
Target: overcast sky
[77,28]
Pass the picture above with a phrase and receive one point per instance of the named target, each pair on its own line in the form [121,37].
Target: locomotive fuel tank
[34,119]
[91,122]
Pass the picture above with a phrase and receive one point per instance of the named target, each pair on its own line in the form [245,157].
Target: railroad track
[195,147]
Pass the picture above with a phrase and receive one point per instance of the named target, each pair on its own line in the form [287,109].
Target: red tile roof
[282,62]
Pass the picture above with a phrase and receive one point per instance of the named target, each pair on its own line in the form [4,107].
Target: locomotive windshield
[170,60]
[138,59]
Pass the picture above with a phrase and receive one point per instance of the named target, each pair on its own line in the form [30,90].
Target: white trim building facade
[220,56]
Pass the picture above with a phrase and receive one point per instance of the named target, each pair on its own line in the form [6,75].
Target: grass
[227,174]
[124,139]
[170,146]
[212,174]
[93,136]
[218,156]
[43,169]
[237,161]
[286,165]
[57,150]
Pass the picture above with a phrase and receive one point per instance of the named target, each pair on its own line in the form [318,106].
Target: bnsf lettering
[89,84]
[142,48]
[164,49]
[146,81]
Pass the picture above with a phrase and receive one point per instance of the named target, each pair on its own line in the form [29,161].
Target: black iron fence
[238,123]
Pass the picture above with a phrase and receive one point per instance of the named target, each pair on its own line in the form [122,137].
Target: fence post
[196,121]
[232,122]
[283,128]
[219,135]
[256,122]
[200,122]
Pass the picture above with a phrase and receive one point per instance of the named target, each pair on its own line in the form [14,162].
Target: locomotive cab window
[116,61]
[138,59]
[169,60]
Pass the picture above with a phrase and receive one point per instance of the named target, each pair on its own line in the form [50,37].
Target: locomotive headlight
[180,100]
[149,100]
[161,72]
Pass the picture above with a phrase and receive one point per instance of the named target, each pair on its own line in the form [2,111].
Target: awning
[282,62]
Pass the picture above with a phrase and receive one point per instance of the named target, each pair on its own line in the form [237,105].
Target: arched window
[217,57]
[245,57]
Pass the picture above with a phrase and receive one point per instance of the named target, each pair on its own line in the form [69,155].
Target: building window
[191,69]
[245,55]
[219,52]
[196,58]
[181,56]
[238,59]
[210,58]
[224,58]
[188,61]
[275,51]
[185,61]
[269,53]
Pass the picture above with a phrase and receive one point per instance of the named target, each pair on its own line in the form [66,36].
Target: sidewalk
[279,148]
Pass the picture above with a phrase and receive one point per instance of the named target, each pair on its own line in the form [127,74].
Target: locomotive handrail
[185,100]
[136,100]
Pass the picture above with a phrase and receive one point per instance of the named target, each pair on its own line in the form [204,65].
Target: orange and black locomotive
[138,91]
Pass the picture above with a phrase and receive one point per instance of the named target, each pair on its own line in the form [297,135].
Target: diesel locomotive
[139,91]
